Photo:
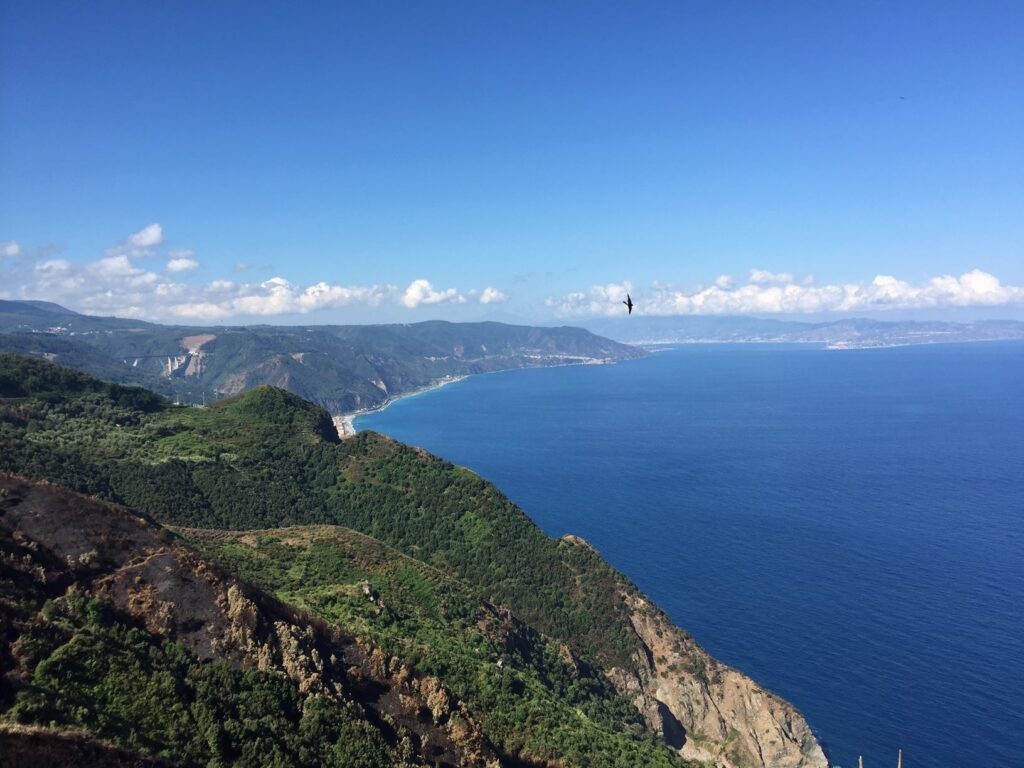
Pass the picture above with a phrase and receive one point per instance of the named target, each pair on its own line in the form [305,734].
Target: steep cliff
[711,712]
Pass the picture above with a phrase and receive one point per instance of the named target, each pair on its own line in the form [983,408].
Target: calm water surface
[845,527]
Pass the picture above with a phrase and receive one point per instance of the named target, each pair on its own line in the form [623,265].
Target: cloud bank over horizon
[765,292]
[139,277]
[122,283]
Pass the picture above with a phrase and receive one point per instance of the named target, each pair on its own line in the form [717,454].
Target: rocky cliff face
[709,711]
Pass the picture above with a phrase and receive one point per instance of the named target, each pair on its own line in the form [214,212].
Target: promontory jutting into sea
[479,385]
[787,502]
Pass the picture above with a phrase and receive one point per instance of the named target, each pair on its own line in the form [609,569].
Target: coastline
[344,423]
[855,344]
[652,627]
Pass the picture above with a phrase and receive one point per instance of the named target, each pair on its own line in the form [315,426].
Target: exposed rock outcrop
[725,716]
[711,712]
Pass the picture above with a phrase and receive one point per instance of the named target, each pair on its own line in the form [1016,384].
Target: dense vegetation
[96,671]
[438,549]
[533,698]
[267,459]
[83,357]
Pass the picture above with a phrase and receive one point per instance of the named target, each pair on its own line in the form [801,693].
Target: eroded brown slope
[61,541]
[30,747]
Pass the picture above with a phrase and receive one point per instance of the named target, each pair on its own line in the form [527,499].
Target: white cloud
[181,264]
[53,266]
[601,300]
[764,276]
[492,296]
[140,245]
[116,283]
[723,281]
[422,292]
[199,310]
[971,289]
[115,266]
[276,296]
[147,237]
[10,248]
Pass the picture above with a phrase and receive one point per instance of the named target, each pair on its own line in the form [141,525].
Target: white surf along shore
[345,422]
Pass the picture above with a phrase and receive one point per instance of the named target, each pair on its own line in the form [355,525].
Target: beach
[344,423]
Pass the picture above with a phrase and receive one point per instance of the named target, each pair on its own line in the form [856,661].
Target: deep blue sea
[845,527]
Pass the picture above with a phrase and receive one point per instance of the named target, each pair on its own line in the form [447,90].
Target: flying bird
[629,303]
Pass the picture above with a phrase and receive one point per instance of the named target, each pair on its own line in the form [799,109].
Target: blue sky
[385,161]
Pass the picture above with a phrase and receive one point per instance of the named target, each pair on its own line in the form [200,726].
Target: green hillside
[267,459]
[444,551]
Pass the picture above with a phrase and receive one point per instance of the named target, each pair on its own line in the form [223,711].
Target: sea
[846,527]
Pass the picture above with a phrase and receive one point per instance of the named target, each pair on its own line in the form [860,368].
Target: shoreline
[344,423]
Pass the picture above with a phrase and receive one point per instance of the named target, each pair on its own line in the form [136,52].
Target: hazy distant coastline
[854,333]
[658,345]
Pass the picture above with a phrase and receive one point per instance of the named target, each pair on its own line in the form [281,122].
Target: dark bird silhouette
[629,304]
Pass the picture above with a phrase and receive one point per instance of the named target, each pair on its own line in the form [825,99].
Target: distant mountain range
[852,333]
[340,367]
